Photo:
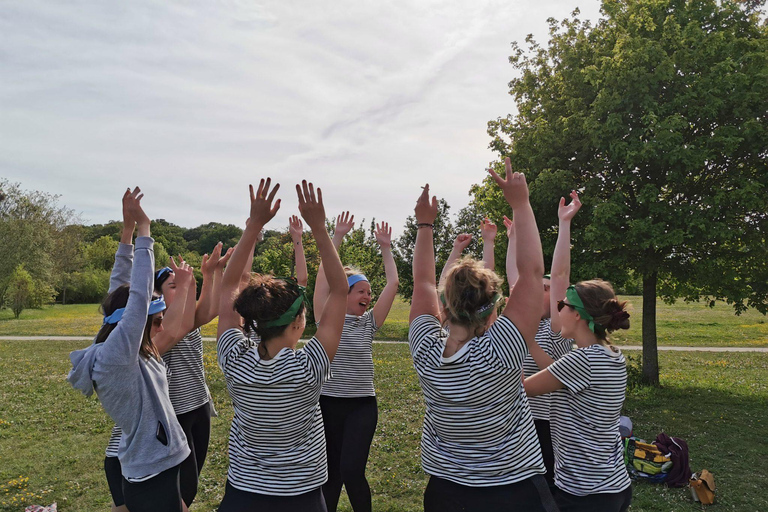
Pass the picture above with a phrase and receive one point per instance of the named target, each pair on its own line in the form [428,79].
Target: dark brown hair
[601,302]
[264,299]
[114,301]
[468,287]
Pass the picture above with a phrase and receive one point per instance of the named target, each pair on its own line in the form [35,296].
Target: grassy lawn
[678,324]
[52,439]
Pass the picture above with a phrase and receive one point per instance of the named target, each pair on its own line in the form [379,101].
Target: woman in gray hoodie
[125,370]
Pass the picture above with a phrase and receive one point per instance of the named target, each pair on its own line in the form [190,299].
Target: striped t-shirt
[584,419]
[186,374]
[276,441]
[555,347]
[352,366]
[114,441]
[478,430]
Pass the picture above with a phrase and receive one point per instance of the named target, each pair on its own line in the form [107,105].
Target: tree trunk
[650,352]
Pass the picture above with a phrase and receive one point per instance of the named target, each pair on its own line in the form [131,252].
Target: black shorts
[236,500]
[114,474]
[161,493]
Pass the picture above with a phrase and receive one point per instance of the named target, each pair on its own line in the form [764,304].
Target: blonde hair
[468,287]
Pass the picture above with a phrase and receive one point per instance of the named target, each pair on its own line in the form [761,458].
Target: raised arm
[204,310]
[177,318]
[561,259]
[424,300]
[511,263]
[297,230]
[459,245]
[524,304]
[121,270]
[262,211]
[124,342]
[218,273]
[329,330]
[488,233]
[387,296]
[344,223]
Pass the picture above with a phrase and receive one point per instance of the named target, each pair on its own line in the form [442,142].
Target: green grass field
[678,324]
[52,439]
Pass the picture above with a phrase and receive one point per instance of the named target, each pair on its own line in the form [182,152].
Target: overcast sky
[193,100]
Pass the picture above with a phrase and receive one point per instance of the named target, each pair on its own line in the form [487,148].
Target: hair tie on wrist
[425,225]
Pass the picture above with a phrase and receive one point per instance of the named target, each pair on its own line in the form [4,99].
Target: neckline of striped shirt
[352,366]
[276,440]
[478,430]
[584,420]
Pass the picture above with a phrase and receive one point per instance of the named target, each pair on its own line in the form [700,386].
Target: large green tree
[658,113]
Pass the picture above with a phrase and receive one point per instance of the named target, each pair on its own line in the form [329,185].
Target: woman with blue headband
[586,387]
[478,441]
[187,388]
[277,459]
[348,399]
[125,369]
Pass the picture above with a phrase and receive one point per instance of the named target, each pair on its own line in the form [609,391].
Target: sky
[193,100]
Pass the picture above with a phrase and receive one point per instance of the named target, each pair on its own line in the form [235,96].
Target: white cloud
[192,101]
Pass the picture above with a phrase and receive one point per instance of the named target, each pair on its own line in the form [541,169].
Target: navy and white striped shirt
[352,366]
[186,374]
[478,430]
[584,418]
[276,441]
[555,347]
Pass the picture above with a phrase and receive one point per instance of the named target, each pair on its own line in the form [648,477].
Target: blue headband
[155,306]
[160,273]
[356,278]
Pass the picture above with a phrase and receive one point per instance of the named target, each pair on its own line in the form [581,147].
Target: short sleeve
[573,370]
[318,364]
[558,346]
[370,324]
[422,328]
[232,346]
[507,344]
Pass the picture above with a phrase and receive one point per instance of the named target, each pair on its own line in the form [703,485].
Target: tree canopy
[658,114]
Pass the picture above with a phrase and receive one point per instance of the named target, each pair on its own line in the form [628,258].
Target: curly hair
[468,287]
[266,298]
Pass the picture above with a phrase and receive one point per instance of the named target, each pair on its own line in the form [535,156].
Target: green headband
[483,312]
[288,317]
[574,300]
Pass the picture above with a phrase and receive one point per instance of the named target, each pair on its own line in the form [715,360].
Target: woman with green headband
[277,457]
[587,389]
[478,442]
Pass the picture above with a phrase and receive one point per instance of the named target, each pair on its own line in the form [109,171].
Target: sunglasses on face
[561,304]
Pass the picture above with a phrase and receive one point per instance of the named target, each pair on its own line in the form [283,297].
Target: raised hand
[208,266]
[462,242]
[224,259]
[488,230]
[311,206]
[344,224]
[566,213]
[384,234]
[426,210]
[132,209]
[510,225]
[182,271]
[262,210]
[513,185]
[128,220]
[296,228]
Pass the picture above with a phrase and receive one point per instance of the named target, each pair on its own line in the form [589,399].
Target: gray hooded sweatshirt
[133,389]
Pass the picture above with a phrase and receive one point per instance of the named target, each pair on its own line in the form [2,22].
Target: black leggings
[160,493]
[114,473]
[545,440]
[236,500]
[349,427]
[600,502]
[197,427]
[529,495]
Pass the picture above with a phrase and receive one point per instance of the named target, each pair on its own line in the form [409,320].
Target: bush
[19,290]
[89,286]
